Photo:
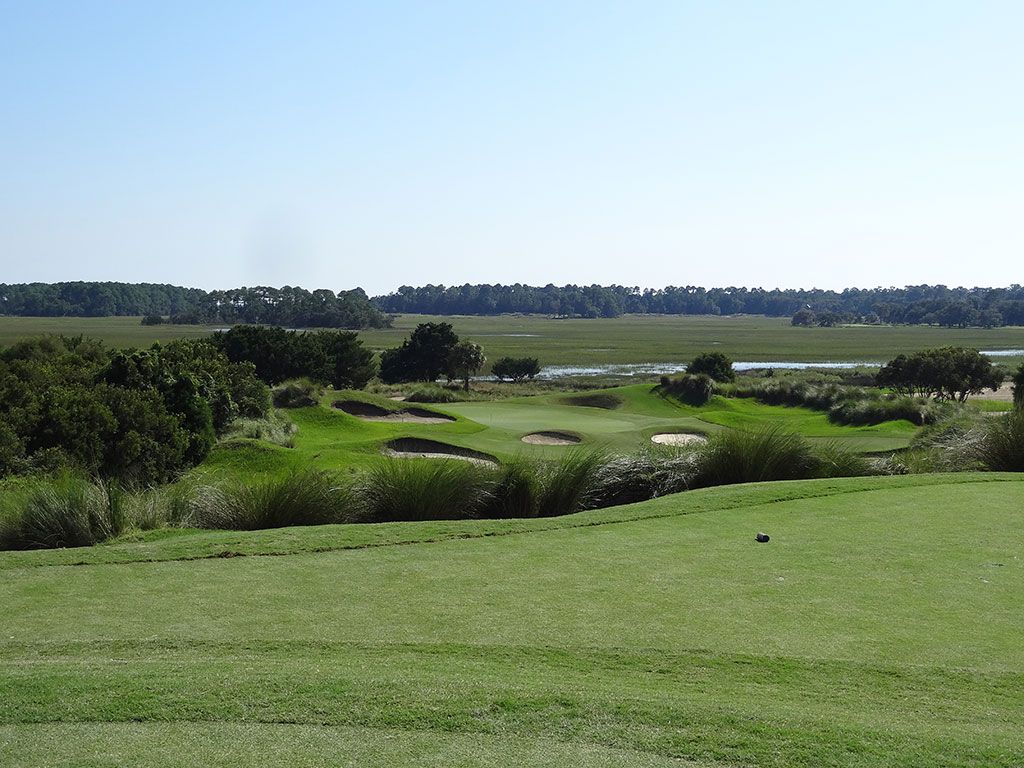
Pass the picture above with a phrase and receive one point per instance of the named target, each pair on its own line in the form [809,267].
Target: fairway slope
[880,626]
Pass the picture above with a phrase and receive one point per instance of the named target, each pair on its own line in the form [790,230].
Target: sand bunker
[551,438]
[677,438]
[418,448]
[371,412]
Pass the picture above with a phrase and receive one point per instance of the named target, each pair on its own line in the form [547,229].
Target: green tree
[465,361]
[946,373]
[422,357]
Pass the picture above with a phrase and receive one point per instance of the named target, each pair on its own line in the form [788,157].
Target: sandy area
[550,438]
[677,438]
[1004,394]
[432,455]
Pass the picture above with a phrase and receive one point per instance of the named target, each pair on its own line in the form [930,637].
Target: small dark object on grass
[762,537]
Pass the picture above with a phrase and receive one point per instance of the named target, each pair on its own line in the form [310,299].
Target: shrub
[1001,448]
[431,393]
[1018,387]
[516,368]
[713,364]
[419,489]
[65,511]
[276,429]
[692,389]
[297,393]
[302,497]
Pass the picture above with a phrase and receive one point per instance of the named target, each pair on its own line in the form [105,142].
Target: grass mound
[594,400]
[372,412]
[411,447]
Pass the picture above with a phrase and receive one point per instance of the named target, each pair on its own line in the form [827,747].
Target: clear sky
[726,142]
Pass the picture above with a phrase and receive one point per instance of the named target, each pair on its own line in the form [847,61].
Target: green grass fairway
[629,339]
[880,626]
[329,438]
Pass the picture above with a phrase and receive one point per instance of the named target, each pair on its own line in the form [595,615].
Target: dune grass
[642,635]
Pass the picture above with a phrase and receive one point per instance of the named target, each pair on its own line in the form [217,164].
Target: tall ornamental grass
[1001,448]
[424,489]
[302,497]
[63,511]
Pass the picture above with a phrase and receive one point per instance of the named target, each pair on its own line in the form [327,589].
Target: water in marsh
[658,369]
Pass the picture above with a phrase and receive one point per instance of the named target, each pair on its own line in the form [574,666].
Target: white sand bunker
[677,438]
[551,438]
[417,448]
[371,412]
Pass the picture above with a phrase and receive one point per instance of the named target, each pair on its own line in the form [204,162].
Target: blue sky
[338,144]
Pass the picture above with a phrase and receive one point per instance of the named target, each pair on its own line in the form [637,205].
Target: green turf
[332,439]
[629,339]
[880,626]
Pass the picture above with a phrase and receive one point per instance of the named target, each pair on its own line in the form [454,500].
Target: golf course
[549,573]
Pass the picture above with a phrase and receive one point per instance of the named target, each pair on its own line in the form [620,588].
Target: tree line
[299,308]
[913,304]
[287,306]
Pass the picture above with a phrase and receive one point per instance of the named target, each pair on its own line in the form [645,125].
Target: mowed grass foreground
[593,342]
[880,626]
